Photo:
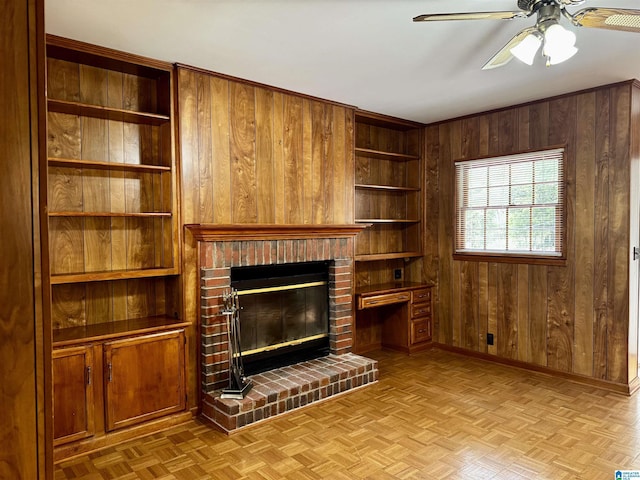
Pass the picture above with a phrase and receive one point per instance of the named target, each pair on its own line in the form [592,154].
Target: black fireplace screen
[284,311]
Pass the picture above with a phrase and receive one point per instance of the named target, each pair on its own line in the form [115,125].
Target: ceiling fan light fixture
[559,44]
[526,50]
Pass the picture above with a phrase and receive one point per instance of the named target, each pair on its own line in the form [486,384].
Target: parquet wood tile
[433,415]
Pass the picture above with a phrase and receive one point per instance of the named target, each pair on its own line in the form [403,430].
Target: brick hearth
[283,389]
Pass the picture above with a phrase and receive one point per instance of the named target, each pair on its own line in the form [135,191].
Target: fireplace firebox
[284,313]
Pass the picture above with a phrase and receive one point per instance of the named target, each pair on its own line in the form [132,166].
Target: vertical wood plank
[561,286]
[243,164]
[329,162]
[470,286]
[264,156]
[292,150]
[206,196]
[220,138]
[340,183]
[585,232]
[492,306]
[308,206]
[601,238]
[445,236]
[538,298]
[187,104]
[318,168]
[278,156]
[507,311]
[618,275]
[523,312]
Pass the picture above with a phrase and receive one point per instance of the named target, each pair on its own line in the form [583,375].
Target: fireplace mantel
[206,232]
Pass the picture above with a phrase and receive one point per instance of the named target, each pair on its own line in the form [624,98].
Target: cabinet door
[144,378]
[72,394]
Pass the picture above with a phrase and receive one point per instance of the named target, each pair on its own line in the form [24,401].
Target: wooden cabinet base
[395,316]
[97,442]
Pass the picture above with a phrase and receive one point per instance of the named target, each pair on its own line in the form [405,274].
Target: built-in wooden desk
[393,315]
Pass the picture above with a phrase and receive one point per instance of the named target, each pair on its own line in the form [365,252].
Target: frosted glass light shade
[559,44]
[526,50]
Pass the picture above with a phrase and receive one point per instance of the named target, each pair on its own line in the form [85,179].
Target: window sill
[506,258]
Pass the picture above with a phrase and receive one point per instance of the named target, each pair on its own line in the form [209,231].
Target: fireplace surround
[223,247]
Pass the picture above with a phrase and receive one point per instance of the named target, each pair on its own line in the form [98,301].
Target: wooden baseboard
[621,388]
[99,441]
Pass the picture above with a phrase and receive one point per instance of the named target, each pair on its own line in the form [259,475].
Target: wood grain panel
[292,154]
[523,311]
[470,289]
[205,184]
[601,239]
[445,237]
[307,162]
[342,179]
[618,274]
[329,163]
[188,110]
[264,156]
[507,311]
[318,169]
[585,231]
[63,80]
[537,336]
[561,286]
[242,151]
[221,161]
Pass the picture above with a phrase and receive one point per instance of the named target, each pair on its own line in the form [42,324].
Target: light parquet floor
[433,415]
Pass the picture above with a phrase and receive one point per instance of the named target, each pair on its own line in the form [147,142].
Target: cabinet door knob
[88,375]
[110,372]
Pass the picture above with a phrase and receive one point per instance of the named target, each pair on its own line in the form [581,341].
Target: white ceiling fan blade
[436,17]
[624,19]
[504,56]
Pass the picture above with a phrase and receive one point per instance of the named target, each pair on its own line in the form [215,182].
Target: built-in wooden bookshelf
[387,192]
[113,236]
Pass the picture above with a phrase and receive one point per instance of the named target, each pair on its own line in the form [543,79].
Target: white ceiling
[366,53]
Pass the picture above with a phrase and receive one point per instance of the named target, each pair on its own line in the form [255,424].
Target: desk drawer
[420,310]
[383,299]
[420,331]
[421,296]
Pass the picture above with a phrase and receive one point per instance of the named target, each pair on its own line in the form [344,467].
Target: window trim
[515,258]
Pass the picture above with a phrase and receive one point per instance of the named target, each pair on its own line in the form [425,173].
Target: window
[511,206]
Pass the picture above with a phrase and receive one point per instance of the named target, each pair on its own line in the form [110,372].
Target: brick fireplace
[223,247]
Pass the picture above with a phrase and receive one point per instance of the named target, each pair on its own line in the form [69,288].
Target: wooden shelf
[372,257]
[110,214]
[386,220]
[387,155]
[98,111]
[391,188]
[112,275]
[73,163]
[65,337]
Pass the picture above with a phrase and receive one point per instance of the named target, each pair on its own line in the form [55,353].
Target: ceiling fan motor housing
[534,5]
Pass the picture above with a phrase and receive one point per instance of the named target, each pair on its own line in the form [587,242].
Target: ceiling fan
[558,43]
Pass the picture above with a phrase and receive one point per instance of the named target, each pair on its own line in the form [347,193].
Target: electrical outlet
[397,274]
[489,338]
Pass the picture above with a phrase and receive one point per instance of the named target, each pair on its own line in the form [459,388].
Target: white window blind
[511,205]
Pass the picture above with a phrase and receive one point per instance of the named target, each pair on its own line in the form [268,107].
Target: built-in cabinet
[107,385]
[393,315]
[113,238]
[73,381]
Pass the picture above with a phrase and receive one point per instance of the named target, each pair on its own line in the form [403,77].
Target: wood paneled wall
[252,154]
[573,318]
[22,338]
